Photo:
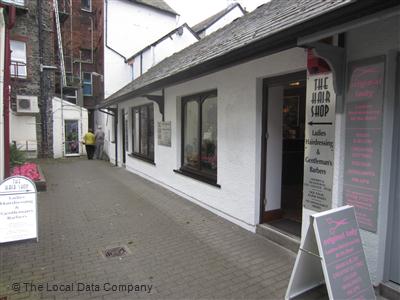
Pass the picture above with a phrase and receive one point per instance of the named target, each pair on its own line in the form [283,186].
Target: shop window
[87,84]
[199,144]
[18,59]
[143,132]
[86,5]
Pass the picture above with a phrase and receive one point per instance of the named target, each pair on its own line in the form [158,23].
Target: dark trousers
[90,151]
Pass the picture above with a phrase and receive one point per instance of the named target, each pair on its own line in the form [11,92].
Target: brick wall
[82,33]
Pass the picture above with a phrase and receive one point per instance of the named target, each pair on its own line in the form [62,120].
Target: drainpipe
[7,91]
[43,107]
[116,135]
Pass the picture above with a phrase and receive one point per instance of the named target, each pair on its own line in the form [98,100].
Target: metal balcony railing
[18,69]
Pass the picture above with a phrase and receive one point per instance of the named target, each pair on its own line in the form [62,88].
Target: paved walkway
[177,250]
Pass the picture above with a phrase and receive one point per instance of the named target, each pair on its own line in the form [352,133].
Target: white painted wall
[2,41]
[131,26]
[117,73]
[64,110]
[238,102]
[227,19]
[168,46]
[23,132]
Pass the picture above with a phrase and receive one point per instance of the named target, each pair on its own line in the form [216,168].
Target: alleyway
[176,249]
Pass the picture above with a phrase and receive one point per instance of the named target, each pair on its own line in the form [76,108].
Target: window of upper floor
[18,59]
[86,5]
[87,84]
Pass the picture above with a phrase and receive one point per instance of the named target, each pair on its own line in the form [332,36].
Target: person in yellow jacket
[89,140]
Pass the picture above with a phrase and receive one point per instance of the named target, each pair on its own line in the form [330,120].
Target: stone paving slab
[177,250]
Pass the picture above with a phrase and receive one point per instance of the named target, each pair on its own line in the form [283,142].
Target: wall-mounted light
[295,83]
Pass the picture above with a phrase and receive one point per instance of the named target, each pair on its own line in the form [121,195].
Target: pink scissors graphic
[337,224]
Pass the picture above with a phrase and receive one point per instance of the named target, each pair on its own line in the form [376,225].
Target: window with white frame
[86,5]
[87,84]
[18,59]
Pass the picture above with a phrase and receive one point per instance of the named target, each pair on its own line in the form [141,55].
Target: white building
[128,27]
[23,129]
[219,20]
[223,122]
[152,54]
[70,123]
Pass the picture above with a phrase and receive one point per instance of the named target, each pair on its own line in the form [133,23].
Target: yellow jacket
[89,139]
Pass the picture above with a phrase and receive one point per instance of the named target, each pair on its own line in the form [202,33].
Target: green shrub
[17,157]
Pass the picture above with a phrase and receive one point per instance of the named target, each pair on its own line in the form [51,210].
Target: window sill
[145,159]
[198,177]
[19,78]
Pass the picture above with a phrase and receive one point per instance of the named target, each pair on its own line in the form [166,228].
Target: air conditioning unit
[27,104]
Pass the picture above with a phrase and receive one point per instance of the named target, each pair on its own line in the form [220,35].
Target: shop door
[71,139]
[284,118]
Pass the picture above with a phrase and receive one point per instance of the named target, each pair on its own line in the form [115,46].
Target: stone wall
[37,83]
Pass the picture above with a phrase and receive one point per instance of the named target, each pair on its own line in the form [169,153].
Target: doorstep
[282,238]
[389,290]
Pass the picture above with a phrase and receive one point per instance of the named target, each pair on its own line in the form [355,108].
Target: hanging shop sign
[364,114]
[319,142]
[18,209]
[332,252]
[164,133]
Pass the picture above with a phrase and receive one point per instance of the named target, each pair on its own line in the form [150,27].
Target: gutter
[271,44]
[169,34]
[157,8]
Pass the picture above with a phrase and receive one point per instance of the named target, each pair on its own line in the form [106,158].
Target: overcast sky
[194,11]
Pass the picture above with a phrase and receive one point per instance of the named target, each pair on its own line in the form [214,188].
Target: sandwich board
[18,209]
[332,252]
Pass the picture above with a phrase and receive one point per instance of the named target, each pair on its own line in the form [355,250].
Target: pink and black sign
[364,114]
[346,271]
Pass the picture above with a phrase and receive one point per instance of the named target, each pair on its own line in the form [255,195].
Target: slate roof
[203,25]
[158,4]
[268,22]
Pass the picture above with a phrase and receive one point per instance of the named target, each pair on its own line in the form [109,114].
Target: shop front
[276,138]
